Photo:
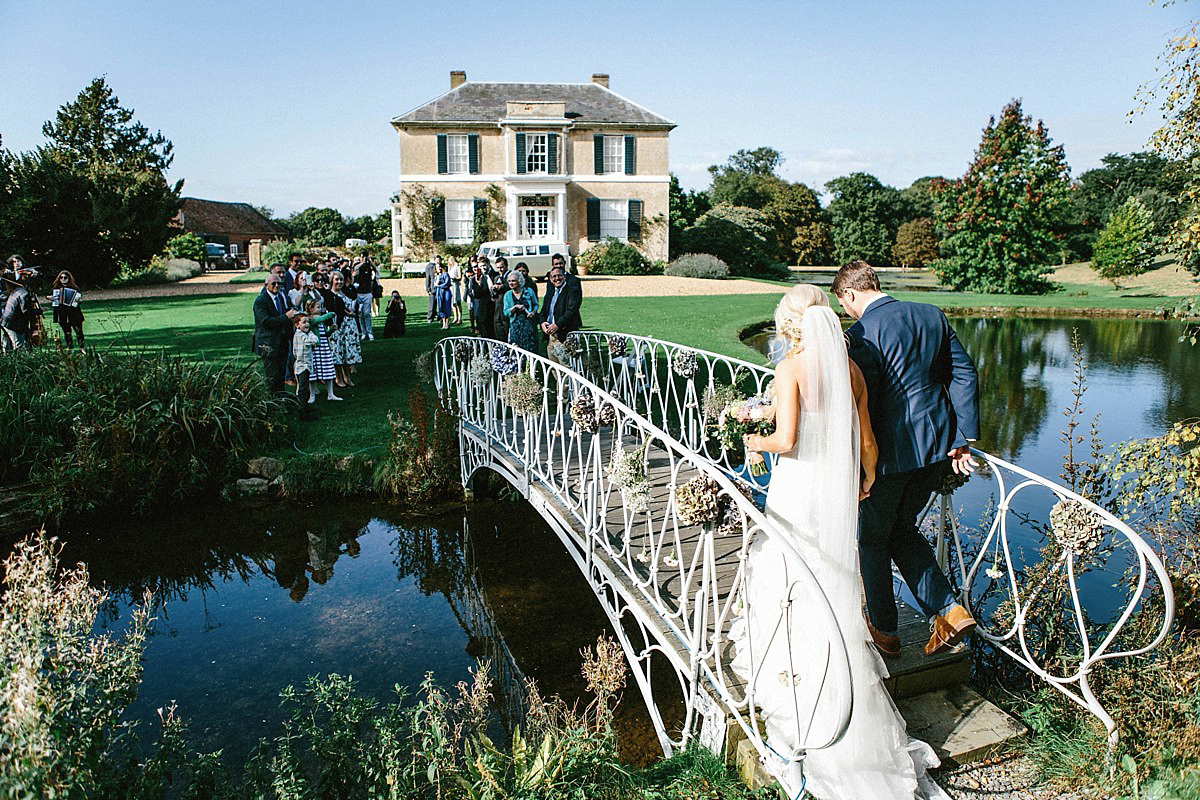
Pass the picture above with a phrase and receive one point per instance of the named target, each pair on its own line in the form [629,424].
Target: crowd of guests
[503,303]
[310,324]
[21,309]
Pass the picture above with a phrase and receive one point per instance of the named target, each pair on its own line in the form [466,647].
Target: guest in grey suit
[431,270]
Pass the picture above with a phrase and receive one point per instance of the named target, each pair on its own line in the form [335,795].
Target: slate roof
[486,102]
[212,216]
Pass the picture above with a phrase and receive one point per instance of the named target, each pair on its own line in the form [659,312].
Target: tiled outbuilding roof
[487,102]
[212,216]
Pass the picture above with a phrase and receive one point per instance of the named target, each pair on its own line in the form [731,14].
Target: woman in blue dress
[520,308]
[444,295]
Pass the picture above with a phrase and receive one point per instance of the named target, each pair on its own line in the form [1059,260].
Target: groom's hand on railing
[961,460]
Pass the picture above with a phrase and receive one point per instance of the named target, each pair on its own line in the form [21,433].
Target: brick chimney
[600,78]
[457,78]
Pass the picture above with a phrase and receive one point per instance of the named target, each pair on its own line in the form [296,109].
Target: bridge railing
[615,476]
[1021,575]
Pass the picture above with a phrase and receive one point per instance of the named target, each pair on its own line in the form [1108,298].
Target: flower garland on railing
[587,417]
[1078,529]
[627,472]
[522,393]
[462,351]
[480,370]
[617,346]
[504,360]
[684,364]
[700,501]
[572,345]
[952,482]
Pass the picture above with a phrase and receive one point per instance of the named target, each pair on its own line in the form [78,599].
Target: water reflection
[249,600]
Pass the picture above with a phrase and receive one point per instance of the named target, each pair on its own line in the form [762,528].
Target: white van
[536,254]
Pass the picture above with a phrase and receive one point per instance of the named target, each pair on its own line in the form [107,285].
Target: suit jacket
[566,310]
[922,387]
[271,329]
[289,281]
[430,277]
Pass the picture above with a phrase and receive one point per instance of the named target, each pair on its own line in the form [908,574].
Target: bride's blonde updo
[789,314]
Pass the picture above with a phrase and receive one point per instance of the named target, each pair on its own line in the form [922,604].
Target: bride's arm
[868,449]
[787,410]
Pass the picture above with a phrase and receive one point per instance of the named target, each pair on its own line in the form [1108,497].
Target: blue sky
[287,104]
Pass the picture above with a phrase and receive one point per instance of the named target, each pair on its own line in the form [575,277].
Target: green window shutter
[630,154]
[593,219]
[438,207]
[443,168]
[520,154]
[635,220]
[598,145]
[552,153]
[480,218]
[473,153]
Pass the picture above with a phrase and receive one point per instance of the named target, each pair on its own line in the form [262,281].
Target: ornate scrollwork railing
[1031,556]
[670,583]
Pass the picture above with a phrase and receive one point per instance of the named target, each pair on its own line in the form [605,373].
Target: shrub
[916,243]
[614,257]
[1126,245]
[698,265]
[741,237]
[421,465]
[178,269]
[278,252]
[186,245]
[124,430]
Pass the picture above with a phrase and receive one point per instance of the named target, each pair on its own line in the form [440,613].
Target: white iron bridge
[669,577]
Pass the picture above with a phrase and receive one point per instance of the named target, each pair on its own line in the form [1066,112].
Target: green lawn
[220,327]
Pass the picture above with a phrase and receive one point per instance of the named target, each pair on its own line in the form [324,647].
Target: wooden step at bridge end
[959,723]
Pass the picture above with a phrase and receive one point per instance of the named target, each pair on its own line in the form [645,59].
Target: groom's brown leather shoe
[949,630]
[887,644]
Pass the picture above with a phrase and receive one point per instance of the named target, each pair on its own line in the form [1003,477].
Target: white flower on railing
[504,360]
[627,472]
[480,371]
[1075,527]
[684,364]
[522,393]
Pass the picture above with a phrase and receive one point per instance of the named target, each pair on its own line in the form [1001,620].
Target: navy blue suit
[923,395]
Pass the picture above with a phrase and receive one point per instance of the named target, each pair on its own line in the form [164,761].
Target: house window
[614,154]
[535,223]
[614,219]
[460,220]
[457,154]
[535,152]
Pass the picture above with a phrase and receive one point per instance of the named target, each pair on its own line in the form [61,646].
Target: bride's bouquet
[748,415]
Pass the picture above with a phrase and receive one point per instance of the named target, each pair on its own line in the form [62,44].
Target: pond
[250,600]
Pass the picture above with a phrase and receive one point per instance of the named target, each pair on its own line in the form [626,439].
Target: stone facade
[575,162]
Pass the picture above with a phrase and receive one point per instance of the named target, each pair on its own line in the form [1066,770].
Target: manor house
[576,162]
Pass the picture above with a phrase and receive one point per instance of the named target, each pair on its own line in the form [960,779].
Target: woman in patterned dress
[344,342]
[520,308]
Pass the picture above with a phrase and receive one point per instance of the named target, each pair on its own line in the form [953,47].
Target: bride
[826,463]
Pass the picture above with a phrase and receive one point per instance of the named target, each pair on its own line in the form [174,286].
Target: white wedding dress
[813,501]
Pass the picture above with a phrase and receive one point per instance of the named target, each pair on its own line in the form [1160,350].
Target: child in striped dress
[320,365]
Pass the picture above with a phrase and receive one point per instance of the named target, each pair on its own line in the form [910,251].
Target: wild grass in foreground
[63,688]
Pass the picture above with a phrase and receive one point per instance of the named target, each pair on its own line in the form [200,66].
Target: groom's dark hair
[857,275]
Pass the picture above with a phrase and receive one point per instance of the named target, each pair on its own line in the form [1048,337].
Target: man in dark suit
[430,289]
[273,332]
[923,394]
[560,307]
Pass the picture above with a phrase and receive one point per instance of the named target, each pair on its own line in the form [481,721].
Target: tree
[318,227]
[745,178]
[802,232]
[865,215]
[1126,245]
[95,197]
[685,206]
[741,237]
[918,198]
[1178,90]
[916,243]
[1000,221]
[1157,182]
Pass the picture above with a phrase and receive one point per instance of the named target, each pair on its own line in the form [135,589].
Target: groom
[923,394]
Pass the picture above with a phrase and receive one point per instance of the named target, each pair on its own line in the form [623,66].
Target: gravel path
[1009,776]
[593,286]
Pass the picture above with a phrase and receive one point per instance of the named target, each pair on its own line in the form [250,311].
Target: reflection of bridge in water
[669,578]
